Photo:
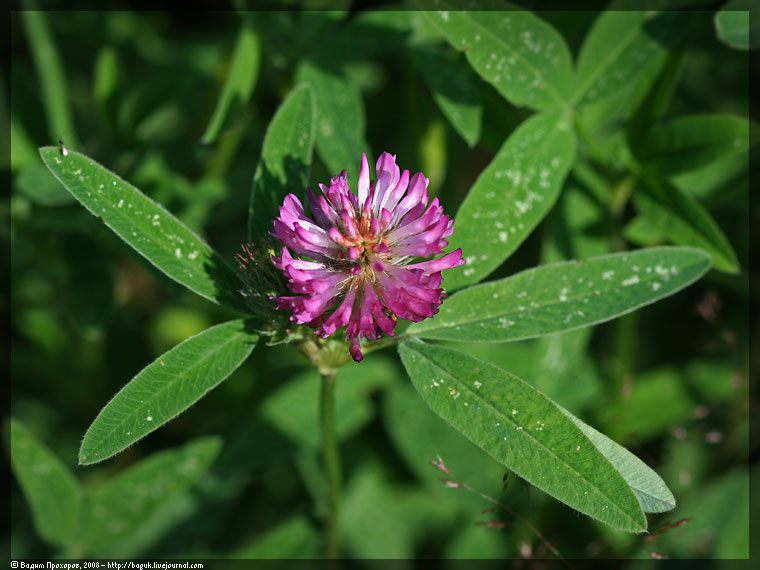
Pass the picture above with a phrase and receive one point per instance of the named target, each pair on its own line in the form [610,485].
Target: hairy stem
[331,462]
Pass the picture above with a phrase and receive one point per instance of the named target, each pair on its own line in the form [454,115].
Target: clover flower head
[355,261]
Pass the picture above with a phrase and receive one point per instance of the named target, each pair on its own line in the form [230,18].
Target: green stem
[332,463]
[382,343]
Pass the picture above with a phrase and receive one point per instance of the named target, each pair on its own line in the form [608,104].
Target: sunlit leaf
[511,196]
[522,56]
[651,491]
[126,513]
[564,296]
[53,494]
[166,388]
[238,84]
[285,160]
[524,430]
[146,226]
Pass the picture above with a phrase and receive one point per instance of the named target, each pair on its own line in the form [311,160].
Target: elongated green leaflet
[692,142]
[130,511]
[455,89]
[285,160]
[53,494]
[340,118]
[146,226]
[564,296]
[53,85]
[511,196]
[523,429]
[683,220]
[621,47]
[239,83]
[523,57]
[167,387]
[651,491]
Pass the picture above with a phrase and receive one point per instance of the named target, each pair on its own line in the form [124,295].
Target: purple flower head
[362,270]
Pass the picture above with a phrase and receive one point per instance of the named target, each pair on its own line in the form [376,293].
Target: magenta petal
[355,349]
[341,315]
[392,197]
[387,177]
[448,261]
[360,269]
[363,185]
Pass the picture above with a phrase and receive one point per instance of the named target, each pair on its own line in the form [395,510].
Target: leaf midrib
[185,263]
[619,48]
[177,378]
[555,303]
[650,495]
[536,441]
[581,426]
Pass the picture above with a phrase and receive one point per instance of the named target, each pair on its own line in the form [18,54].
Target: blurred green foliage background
[137,91]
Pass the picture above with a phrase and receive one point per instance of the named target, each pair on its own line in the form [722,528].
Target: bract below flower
[355,261]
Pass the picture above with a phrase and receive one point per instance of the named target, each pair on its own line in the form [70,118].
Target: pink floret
[363,268]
